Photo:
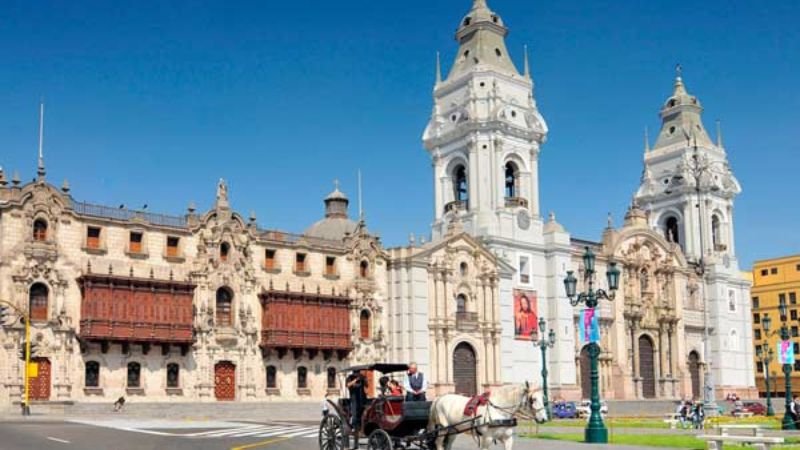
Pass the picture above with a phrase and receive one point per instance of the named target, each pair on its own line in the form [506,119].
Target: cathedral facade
[207,306]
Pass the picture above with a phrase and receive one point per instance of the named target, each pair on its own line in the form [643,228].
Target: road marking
[57,440]
[260,444]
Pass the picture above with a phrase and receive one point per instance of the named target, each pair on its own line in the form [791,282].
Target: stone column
[637,382]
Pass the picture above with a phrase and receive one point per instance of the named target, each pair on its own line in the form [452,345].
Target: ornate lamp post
[764,353]
[788,421]
[543,345]
[596,431]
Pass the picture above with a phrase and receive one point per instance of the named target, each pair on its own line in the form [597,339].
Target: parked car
[754,407]
[585,409]
[565,410]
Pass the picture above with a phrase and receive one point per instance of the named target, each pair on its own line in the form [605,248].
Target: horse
[504,403]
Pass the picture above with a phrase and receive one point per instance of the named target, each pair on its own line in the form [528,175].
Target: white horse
[504,404]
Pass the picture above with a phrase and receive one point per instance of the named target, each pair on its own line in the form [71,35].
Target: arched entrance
[647,368]
[40,384]
[465,374]
[694,371]
[586,373]
[225,380]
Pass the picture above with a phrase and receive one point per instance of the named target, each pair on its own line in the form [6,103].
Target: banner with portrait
[526,315]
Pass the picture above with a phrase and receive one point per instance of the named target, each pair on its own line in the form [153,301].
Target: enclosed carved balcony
[137,310]
[304,321]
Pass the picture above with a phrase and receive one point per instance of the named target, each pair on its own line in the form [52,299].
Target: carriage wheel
[331,434]
[379,440]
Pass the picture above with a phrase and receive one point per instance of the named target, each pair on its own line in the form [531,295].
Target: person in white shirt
[415,384]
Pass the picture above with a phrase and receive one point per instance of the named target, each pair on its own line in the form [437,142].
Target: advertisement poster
[526,316]
[588,326]
[785,352]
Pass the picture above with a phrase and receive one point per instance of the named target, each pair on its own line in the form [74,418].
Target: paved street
[145,434]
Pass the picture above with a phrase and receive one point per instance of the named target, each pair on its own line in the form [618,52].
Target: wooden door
[40,385]
[647,369]
[225,380]
[586,374]
[694,371]
[465,370]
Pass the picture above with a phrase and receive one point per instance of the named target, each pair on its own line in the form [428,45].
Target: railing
[292,238]
[458,205]
[135,331]
[88,209]
[305,339]
[513,202]
[466,320]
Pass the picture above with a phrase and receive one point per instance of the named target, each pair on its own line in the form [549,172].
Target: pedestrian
[416,385]
[698,416]
[119,404]
[356,385]
[794,408]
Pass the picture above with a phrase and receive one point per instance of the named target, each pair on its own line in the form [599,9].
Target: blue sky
[152,102]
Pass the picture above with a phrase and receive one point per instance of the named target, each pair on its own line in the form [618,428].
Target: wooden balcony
[305,339]
[127,330]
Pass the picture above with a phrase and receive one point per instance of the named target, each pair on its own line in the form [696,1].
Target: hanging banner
[526,318]
[786,352]
[588,326]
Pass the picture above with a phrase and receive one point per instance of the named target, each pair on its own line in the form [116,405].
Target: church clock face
[523,219]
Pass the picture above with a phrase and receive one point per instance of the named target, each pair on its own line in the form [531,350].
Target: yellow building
[776,281]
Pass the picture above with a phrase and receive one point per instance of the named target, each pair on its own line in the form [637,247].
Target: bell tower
[484,135]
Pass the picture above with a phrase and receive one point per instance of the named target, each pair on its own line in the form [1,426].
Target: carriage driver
[415,384]
[357,384]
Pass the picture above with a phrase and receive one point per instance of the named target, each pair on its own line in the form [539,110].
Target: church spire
[40,172]
[681,119]
[481,37]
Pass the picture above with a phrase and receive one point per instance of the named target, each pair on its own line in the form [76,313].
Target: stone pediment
[466,243]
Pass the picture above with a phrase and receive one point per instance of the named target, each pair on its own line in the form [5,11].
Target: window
[757,334]
[463,269]
[300,262]
[365,325]
[733,340]
[792,298]
[671,231]
[91,378]
[173,375]
[38,302]
[797,267]
[302,378]
[755,302]
[782,298]
[797,364]
[224,249]
[773,271]
[498,52]
[224,306]
[756,318]
[467,21]
[331,378]
[461,304]
[715,231]
[461,188]
[524,270]
[272,377]
[93,237]
[330,266]
[511,180]
[764,272]
[732,301]
[363,269]
[135,243]
[172,246]
[793,314]
[269,260]
[796,348]
[760,367]
[39,230]
[794,331]
[134,375]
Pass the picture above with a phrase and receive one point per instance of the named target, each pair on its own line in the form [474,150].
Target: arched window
[272,377]
[224,249]
[302,378]
[363,269]
[460,184]
[733,342]
[173,375]
[365,324]
[38,302]
[671,230]
[40,230]
[511,180]
[331,378]
[461,303]
[224,307]
[134,375]
[715,231]
[732,301]
[91,377]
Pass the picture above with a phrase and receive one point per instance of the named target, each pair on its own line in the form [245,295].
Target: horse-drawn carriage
[392,423]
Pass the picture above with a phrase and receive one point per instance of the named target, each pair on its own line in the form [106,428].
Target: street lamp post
[543,345]
[596,431]
[765,354]
[788,421]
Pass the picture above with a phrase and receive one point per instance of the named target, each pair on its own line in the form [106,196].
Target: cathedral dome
[336,223]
